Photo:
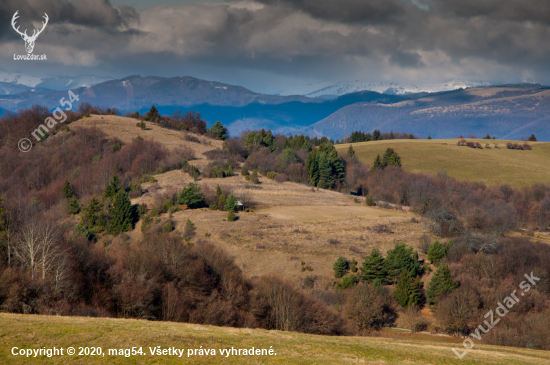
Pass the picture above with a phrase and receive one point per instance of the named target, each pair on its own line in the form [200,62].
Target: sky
[273,46]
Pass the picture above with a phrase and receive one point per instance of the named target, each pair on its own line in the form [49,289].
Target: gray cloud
[406,59]
[432,40]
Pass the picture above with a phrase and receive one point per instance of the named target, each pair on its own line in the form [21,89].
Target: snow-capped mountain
[390,88]
[19,79]
[53,82]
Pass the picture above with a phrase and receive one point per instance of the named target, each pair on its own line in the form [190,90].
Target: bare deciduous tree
[38,248]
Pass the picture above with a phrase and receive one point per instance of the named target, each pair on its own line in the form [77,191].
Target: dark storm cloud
[350,11]
[406,59]
[94,13]
[441,39]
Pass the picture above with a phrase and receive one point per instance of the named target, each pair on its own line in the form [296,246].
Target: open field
[293,223]
[34,332]
[493,166]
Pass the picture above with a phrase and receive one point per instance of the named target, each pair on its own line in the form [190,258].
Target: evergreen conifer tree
[373,267]
[325,170]
[89,217]
[408,290]
[441,282]
[340,267]
[244,171]
[401,258]
[437,252]
[67,190]
[377,164]
[306,146]
[351,152]
[231,203]
[112,188]
[121,214]
[391,158]
[312,168]
[191,195]
[219,131]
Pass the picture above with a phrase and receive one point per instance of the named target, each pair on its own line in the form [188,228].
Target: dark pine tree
[408,290]
[441,282]
[121,214]
[340,267]
[373,267]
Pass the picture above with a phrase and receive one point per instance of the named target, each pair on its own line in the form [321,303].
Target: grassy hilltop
[28,331]
[493,166]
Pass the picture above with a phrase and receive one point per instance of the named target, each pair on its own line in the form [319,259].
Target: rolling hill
[23,332]
[493,166]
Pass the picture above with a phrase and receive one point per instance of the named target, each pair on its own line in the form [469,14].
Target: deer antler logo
[29,41]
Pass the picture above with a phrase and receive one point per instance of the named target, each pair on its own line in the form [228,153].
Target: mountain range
[507,111]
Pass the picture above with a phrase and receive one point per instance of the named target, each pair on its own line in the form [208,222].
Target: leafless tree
[38,248]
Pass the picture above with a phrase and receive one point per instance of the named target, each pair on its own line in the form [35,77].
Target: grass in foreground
[32,331]
[493,166]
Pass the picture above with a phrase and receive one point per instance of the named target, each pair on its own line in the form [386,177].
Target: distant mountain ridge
[24,82]
[508,111]
[392,88]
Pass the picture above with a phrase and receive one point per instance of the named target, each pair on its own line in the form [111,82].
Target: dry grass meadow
[293,231]
[28,332]
[493,166]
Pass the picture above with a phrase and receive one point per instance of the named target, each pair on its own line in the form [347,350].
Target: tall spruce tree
[121,214]
[312,167]
[391,158]
[377,164]
[351,152]
[67,190]
[373,267]
[325,171]
[338,168]
[74,207]
[441,282]
[90,218]
[408,290]
[112,188]
[401,258]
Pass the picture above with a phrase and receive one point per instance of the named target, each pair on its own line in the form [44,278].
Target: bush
[244,171]
[271,175]
[348,281]
[370,201]
[254,177]
[168,227]
[369,308]
[231,216]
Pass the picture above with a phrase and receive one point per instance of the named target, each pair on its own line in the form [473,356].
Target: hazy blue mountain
[508,112]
